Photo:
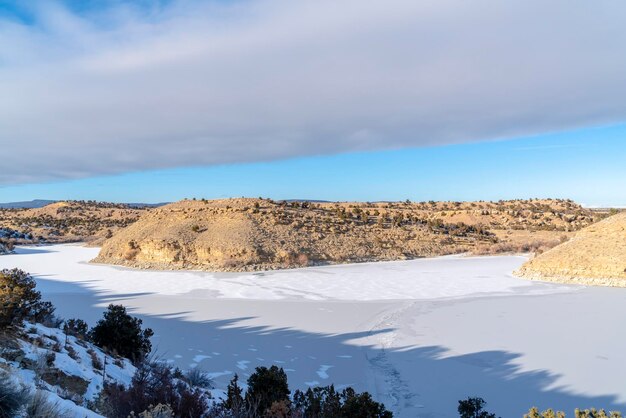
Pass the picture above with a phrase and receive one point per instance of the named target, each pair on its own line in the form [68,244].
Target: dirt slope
[259,234]
[596,255]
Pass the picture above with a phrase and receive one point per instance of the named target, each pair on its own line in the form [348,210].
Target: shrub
[39,407]
[12,397]
[19,300]
[122,334]
[96,363]
[196,377]
[153,384]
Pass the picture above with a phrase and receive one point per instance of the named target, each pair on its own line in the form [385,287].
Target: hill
[31,204]
[259,234]
[69,221]
[596,255]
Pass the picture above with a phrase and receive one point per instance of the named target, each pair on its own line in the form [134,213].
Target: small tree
[473,408]
[327,402]
[120,333]
[19,300]
[266,386]
[361,405]
[76,328]
[234,402]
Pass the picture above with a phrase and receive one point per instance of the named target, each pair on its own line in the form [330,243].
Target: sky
[156,100]
[586,165]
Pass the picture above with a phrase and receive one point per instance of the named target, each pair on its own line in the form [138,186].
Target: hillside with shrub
[261,234]
[71,221]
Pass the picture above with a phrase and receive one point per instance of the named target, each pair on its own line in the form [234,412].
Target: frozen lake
[419,334]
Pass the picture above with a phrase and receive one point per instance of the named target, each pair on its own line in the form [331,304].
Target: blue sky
[587,165]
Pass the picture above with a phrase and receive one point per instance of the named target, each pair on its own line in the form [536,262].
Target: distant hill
[31,204]
[596,256]
[246,234]
[69,221]
[40,203]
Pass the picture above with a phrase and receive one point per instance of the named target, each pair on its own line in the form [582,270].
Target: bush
[19,301]
[122,334]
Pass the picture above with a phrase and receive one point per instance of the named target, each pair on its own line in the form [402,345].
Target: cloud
[196,83]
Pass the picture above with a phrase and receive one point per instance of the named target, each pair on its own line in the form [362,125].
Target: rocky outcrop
[594,256]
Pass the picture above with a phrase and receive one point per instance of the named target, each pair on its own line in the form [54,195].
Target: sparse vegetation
[268,395]
[578,413]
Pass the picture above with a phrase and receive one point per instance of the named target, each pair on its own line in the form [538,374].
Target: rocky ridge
[260,234]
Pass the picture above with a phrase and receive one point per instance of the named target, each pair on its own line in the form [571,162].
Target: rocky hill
[596,255]
[66,222]
[258,234]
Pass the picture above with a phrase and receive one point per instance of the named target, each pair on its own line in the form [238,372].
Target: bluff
[595,255]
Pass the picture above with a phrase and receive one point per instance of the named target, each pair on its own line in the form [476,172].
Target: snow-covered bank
[418,334]
[432,278]
[61,368]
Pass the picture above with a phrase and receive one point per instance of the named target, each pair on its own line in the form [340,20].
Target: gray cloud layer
[208,83]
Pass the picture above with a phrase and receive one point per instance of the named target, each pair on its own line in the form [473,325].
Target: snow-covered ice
[430,278]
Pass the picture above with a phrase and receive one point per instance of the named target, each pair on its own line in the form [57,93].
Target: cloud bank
[197,83]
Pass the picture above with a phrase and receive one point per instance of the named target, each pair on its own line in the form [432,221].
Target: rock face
[260,234]
[3,249]
[596,255]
